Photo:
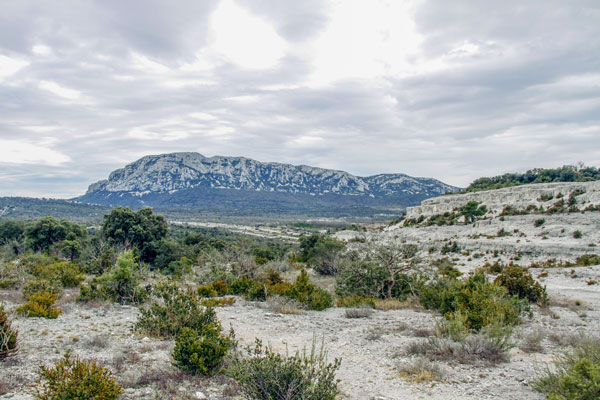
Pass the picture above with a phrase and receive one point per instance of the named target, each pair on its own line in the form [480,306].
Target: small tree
[472,210]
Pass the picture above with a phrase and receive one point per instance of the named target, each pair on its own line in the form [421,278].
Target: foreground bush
[202,352]
[173,310]
[576,375]
[266,375]
[72,378]
[40,304]
[8,335]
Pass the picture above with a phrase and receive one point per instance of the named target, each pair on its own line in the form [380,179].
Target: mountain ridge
[186,178]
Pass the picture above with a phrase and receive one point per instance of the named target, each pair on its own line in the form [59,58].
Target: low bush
[314,297]
[518,281]
[8,335]
[40,304]
[40,285]
[421,370]
[266,375]
[355,301]
[202,351]
[120,284]
[480,302]
[588,259]
[358,312]
[73,378]
[539,222]
[173,309]
[576,375]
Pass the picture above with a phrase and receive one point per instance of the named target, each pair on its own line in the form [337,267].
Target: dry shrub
[282,305]
[358,312]
[531,342]
[421,370]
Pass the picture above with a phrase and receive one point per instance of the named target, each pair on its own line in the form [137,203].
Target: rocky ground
[372,349]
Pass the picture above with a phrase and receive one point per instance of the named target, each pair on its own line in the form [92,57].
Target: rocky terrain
[195,181]
[372,349]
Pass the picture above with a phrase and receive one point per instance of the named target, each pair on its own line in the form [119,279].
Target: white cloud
[61,91]
[10,66]
[245,39]
[365,40]
[20,152]
[41,50]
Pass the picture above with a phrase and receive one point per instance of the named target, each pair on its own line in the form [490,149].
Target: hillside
[242,185]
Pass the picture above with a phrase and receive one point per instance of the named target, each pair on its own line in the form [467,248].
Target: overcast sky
[453,90]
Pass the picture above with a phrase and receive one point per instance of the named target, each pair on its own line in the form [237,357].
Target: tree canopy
[566,173]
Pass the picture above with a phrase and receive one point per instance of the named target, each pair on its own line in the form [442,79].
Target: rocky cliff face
[191,175]
[518,197]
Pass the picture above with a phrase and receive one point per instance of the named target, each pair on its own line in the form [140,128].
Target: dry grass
[281,305]
[421,370]
[98,341]
[531,342]
[473,350]
[395,304]
[374,333]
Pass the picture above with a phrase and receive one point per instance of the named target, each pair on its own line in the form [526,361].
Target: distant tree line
[566,173]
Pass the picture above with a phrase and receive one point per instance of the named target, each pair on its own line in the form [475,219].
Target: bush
[355,301]
[314,297]
[201,352]
[120,283]
[576,375]
[40,304]
[266,375]
[175,309]
[8,335]
[480,302]
[40,285]
[518,281]
[539,222]
[577,234]
[588,259]
[72,378]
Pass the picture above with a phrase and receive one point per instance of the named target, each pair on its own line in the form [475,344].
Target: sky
[453,90]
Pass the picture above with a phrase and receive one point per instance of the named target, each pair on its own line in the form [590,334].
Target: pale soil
[371,349]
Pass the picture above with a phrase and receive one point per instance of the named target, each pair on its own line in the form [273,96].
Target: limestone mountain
[191,180]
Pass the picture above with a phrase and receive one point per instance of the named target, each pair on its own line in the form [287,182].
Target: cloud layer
[452,90]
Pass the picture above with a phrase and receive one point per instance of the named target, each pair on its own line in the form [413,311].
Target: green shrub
[577,234]
[40,304]
[202,351]
[72,378]
[480,301]
[173,310]
[539,222]
[266,375]
[518,281]
[121,283]
[40,285]
[576,375]
[588,259]
[8,335]
[314,297]
[68,274]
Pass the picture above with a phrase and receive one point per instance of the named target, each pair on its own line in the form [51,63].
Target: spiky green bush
[202,351]
[73,378]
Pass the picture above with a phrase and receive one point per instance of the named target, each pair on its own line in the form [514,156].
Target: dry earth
[371,349]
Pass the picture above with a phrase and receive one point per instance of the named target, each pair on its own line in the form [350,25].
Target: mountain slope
[190,180]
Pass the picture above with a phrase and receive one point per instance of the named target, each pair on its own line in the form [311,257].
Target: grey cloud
[510,107]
